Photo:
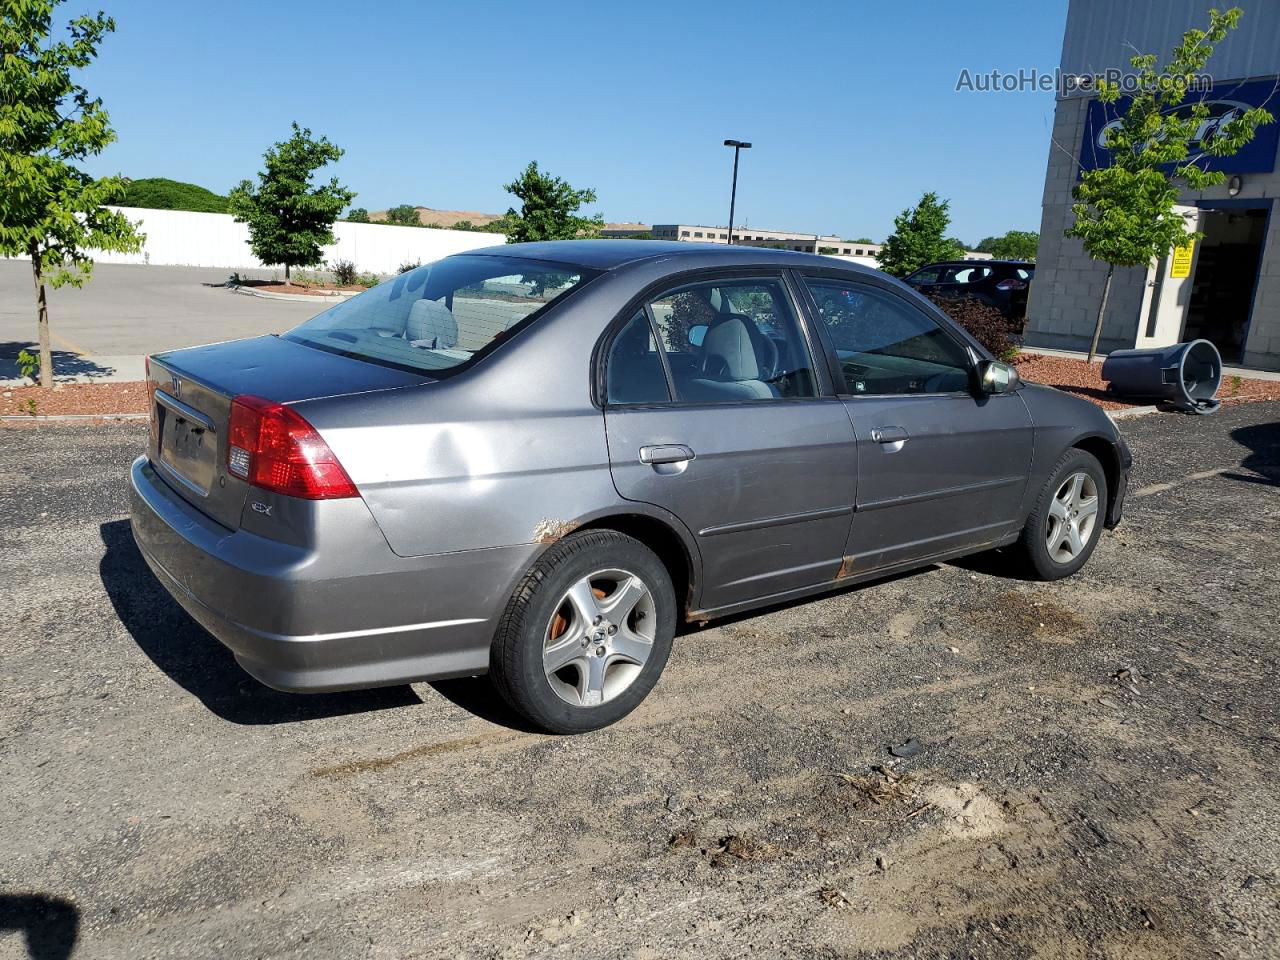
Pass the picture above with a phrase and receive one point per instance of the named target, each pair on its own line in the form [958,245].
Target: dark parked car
[1003,284]
[536,460]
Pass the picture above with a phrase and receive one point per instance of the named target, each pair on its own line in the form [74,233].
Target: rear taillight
[1011,284]
[271,446]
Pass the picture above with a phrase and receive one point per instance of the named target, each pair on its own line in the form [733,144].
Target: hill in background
[444,218]
[158,193]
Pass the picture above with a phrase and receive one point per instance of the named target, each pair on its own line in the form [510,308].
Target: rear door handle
[888,434]
[665,453]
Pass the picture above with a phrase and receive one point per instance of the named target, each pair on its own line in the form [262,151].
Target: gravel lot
[1098,776]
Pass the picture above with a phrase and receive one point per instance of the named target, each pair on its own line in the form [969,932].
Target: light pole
[738,146]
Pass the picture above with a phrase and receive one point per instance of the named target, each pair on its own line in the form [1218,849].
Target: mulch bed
[74,398]
[303,289]
[1065,373]
[1085,380]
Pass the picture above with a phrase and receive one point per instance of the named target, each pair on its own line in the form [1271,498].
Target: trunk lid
[191,394]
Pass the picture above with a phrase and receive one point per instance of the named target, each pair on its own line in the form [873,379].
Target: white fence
[183,238]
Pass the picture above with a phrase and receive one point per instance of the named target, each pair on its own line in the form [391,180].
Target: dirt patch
[1014,615]
[1085,380]
[75,398]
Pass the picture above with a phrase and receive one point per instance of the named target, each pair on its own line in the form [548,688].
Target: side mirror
[696,333]
[997,377]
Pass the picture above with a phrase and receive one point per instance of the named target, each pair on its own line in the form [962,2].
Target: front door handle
[889,434]
[665,453]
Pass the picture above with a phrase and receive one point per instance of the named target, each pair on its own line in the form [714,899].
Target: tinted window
[730,341]
[633,373]
[885,345]
[440,315]
[927,275]
[965,274]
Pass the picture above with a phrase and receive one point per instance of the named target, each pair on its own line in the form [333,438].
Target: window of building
[684,233]
[885,345]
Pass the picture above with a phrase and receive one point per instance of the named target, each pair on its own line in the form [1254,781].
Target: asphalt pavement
[104,329]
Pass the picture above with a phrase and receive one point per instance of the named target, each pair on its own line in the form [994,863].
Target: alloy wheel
[599,638]
[1073,514]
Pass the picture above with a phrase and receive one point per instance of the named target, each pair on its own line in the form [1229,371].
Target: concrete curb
[331,297]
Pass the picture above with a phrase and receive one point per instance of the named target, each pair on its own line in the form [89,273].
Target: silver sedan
[535,461]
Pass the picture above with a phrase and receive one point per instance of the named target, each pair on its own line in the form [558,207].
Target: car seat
[431,324]
[735,364]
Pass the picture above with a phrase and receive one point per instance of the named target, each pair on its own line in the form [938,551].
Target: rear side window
[438,317]
[633,371]
[885,345]
[725,341]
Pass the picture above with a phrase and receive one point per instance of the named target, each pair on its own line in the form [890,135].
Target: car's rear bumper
[310,619]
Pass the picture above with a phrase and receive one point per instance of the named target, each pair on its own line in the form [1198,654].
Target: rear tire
[586,634]
[1066,522]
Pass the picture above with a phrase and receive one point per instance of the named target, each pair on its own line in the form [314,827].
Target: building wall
[1068,286]
[1102,34]
[183,238]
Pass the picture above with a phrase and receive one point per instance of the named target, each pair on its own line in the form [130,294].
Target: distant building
[618,231]
[755,237]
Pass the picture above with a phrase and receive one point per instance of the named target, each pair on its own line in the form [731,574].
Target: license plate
[188,449]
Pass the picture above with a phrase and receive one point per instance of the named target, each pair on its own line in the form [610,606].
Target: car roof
[974,261]
[609,254]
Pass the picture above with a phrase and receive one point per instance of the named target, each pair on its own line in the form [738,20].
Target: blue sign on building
[1226,101]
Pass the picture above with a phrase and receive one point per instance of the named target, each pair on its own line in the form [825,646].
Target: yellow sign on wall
[1181,266]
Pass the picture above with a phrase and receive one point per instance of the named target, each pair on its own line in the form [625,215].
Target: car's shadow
[200,664]
[1263,441]
[51,925]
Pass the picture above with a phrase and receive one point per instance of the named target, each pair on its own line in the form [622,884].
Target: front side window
[438,317]
[965,274]
[732,340]
[885,345]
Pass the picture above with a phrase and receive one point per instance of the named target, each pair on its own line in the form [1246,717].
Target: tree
[50,210]
[1014,245]
[357,215]
[1124,213]
[404,215]
[158,193]
[289,218]
[548,209]
[919,238]
[861,240]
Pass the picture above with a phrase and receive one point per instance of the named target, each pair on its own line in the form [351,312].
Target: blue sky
[851,105]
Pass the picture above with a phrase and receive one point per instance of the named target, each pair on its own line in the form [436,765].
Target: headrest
[432,321]
[730,341]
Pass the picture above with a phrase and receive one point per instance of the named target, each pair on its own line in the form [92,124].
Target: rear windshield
[437,317]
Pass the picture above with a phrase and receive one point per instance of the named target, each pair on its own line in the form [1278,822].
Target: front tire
[586,634]
[1064,526]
